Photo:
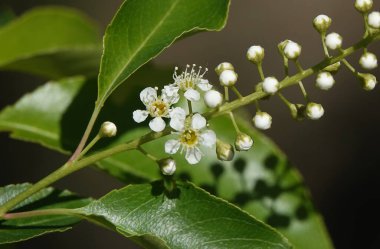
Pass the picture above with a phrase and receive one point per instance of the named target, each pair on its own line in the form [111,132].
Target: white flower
[108,129]
[374,19]
[224,66]
[157,107]
[213,98]
[255,54]
[271,85]
[190,82]
[228,78]
[292,50]
[262,120]
[334,41]
[243,142]
[363,5]
[322,23]
[314,111]
[368,61]
[325,80]
[167,166]
[191,134]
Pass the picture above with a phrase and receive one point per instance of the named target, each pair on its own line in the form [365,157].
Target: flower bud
[325,81]
[224,151]
[292,50]
[332,68]
[334,41]
[262,120]
[297,111]
[368,61]
[228,78]
[314,111]
[322,23]
[223,66]
[108,129]
[368,81]
[213,98]
[167,166]
[255,54]
[363,6]
[270,85]
[243,142]
[374,19]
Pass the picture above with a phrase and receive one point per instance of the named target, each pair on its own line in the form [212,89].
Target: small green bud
[167,166]
[108,129]
[224,151]
[363,6]
[243,142]
[314,111]
[368,81]
[322,23]
[224,66]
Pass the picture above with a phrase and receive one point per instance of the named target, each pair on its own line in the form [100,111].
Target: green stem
[86,133]
[325,50]
[260,69]
[236,91]
[89,146]
[56,211]
[190,106]
[286,102]
[147,154]
[234,122]
[349,66]
[71,167]
[226,97]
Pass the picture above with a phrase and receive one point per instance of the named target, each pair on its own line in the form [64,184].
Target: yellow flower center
[189,137]
[158,108]
[186,84]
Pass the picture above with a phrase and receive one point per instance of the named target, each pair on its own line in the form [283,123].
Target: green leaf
[26,228]
[50,41]
[262,181]
[6,15]
[143,29]
[186,218]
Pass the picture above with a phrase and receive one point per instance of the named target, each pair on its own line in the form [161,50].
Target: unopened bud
[363,6]
[292,50]
[262,120]
[332,68]
[213,98]
[374,19]
[270,85]
[325,81]
[243,142]
[334,41]
[228,78]
[223,67]
[368,61]
[167,166]
[108,129]
[255,54]
[322,23]
[314,111]
[368,81]
[224,151]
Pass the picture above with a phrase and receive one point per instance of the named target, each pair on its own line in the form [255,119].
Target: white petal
[148,95]
[157,124]
[172,146]
[198,121]
[170,94]
[204,85]
[208,138]
[178,116]
[193,155]
[192,95]
[139,115]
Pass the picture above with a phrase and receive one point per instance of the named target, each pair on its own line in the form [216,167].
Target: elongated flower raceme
[158,107]
[190,82]
[191,133]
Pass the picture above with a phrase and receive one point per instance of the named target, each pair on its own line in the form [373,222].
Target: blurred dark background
[337,155]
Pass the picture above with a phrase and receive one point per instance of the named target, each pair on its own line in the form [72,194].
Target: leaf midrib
[145,41]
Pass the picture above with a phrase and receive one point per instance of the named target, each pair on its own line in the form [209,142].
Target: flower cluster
[190,131]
